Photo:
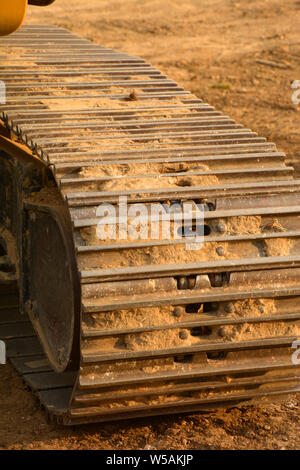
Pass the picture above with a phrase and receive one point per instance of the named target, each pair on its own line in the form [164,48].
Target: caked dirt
[240,57]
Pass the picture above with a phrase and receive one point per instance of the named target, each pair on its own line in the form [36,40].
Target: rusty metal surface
[78,107]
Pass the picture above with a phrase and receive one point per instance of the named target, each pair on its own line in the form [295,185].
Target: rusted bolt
[222,332]
[178,311]
[183,334]
[221,227]
[220,250]
[229,308]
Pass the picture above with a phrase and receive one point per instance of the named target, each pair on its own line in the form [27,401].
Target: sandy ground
[241,57]
[24,426]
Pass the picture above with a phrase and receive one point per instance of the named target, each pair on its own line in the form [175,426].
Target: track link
[153,328]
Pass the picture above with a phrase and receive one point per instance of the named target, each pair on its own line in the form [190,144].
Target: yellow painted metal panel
[12,14]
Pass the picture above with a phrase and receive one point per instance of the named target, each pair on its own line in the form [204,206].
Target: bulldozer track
[154,330]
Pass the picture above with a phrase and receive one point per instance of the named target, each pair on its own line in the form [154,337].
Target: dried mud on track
[240,57]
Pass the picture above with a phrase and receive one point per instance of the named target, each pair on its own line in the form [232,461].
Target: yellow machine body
[12,14]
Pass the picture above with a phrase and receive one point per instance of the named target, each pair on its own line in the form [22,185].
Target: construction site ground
[240,57]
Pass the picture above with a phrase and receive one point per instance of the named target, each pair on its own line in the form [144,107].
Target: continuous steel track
[160,329]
